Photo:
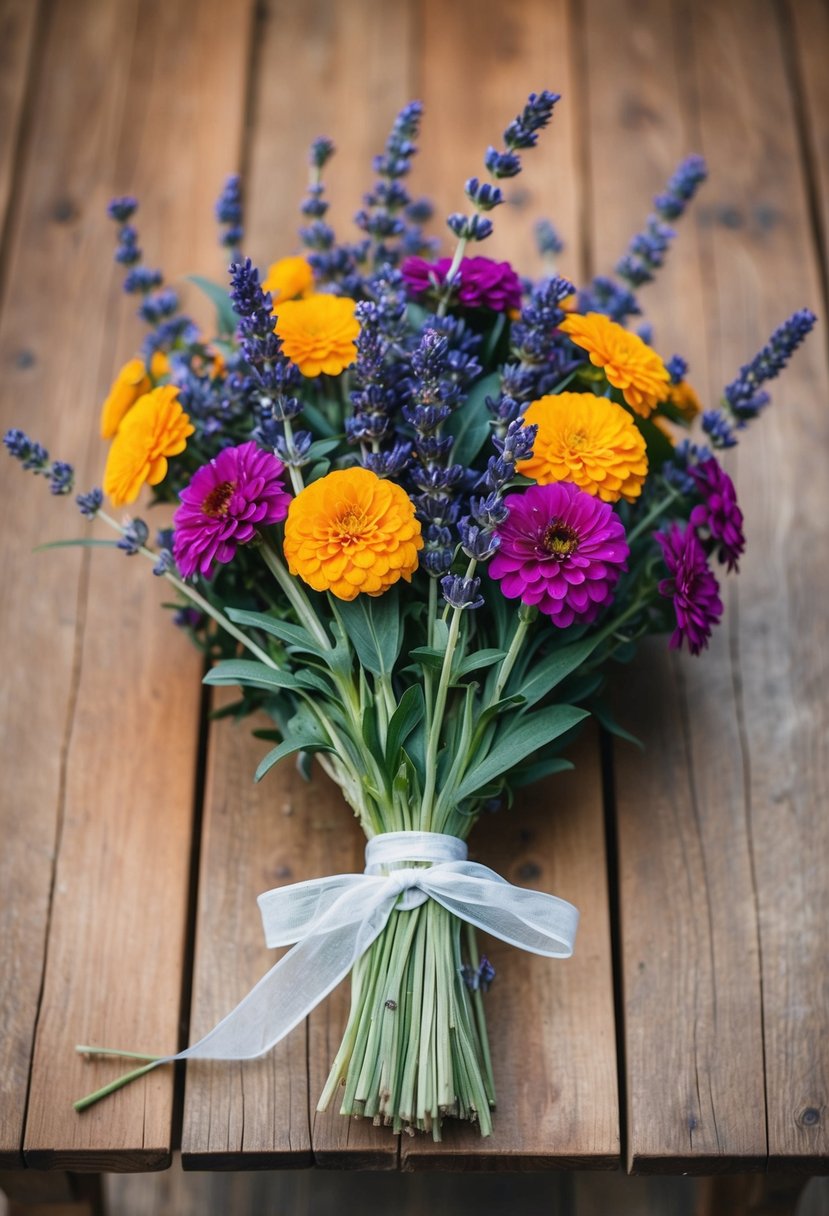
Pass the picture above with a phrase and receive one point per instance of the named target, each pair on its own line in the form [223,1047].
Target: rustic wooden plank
[18,62]
[42,372]
[693,1030]
[551,1023]
[252,1114]
[806,22]
[18,40]
[119,913]
[350,65]
[478,63]
[696,888]
[553,839]
[778,635]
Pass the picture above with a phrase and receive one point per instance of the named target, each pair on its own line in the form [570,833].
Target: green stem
[106,1090]
[296,596]
[652,516]
[196,598]
[508,662]
[296,476]
[433,740]
[450,277]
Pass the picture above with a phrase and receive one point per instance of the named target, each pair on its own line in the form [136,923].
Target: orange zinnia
[319,334]
[132,382]
[627,361]
[155,428]
[588,440]
[289,278]
[352,531]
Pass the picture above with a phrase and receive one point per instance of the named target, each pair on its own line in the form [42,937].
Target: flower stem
[433,741]
[196,598]
[450,277]
[659,509]
[106,1090]
[294,472]
[297,597]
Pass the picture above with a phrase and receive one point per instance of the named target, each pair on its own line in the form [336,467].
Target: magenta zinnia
[480,282]
[719,512]
[692,587]
[225,504]
[561,550]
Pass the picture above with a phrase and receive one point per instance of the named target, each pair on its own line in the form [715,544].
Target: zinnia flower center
[218,500]
[351,526]
[560,539]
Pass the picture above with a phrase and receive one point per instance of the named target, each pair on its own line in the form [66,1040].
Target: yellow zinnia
[132,382]
[155,428]
[319,334]
[352,531]
[289,278]
[627,361]
[587,440]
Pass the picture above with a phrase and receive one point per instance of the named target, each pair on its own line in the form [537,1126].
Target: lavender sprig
[744,397]
[230,216]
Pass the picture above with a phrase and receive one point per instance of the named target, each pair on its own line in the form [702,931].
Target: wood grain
[478,63]
[551,1023]
[778,634]
[119,913]
[43,381]
[805,31]
[322,68]
[18,44]
[706,943]
[561,1013]
[690,970]
[350,64]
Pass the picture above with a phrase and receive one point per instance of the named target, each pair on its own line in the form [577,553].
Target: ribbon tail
[531,920]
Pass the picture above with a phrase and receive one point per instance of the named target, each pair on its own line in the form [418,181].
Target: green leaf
[315,471]
[606,719]
[81,543]
[303,733]
[524,736]
[225,316]
[440,634]
[470,422]
[317,420]
[249,674]
[550,671]
[373,628]
[322,447]
[427,657]
[530,773]
[294,635]
[287,748]
[480,658]
[405,718]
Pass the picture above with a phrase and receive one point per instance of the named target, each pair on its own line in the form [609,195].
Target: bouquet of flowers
[422,505]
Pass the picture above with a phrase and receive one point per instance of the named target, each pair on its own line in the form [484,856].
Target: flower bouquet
[422,505]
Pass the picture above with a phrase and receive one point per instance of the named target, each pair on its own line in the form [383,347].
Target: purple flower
[226,502]
[719,512]
[561,550]
[692,586]
[480,282]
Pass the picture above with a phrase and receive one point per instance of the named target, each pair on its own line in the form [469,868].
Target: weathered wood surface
[722,862]
[99,814]
[722,847]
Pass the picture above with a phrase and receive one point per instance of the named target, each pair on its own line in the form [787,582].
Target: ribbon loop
[335,920]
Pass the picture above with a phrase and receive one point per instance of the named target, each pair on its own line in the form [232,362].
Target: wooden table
[689,1032]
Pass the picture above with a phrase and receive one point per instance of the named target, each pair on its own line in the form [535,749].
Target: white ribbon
[335,920]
